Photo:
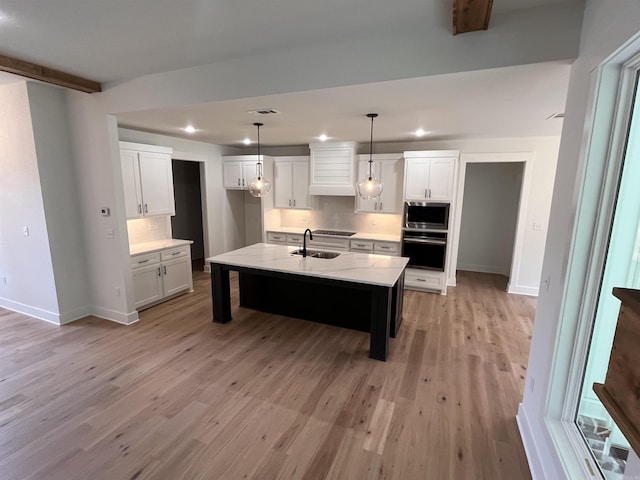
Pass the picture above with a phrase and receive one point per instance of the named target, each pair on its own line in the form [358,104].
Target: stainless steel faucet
[304,241]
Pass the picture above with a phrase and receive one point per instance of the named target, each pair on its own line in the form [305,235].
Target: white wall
[607,25]
[61,202]
[489,217]
[25,261]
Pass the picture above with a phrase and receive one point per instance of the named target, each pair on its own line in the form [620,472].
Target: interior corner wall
[27,281]
[61,202]
[489,216]
[99,178]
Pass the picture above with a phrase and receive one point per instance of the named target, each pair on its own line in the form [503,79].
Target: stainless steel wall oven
[425,249]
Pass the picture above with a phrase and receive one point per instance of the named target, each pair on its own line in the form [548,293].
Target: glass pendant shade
[258,185]
[369,187]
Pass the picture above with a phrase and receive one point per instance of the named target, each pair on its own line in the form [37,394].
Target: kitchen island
[353,290]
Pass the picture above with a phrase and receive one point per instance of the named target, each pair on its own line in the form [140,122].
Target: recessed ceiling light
[420,132]
[323,138]
[247,141]
[189,129]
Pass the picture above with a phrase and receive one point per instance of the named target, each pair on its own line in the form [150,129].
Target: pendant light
[369,187]
[258,185]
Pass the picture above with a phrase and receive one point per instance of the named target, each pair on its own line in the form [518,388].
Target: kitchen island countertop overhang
[366,288]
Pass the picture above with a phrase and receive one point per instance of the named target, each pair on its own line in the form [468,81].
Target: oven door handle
[425,242]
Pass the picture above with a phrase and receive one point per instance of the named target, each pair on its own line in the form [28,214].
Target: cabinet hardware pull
[143,261]
[159,273]
[139,208]
[380,206]
[375,206]
[425,193]
[429,193]
[165,269]
[238,182]
[294,202]
[176,253]
[289,202]
[421,279]
[243,182]
[146,208]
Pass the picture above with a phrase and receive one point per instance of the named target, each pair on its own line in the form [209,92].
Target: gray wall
[489,216]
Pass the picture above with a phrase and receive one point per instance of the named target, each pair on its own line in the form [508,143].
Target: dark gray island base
[366,307]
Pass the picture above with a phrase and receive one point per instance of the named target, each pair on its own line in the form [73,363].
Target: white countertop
[156,245]
[350,266]
[357,236]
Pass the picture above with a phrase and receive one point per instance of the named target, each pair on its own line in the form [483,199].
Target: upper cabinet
[429,175]
[332,168]
[291,182]
[237,170]
[147,179]
[387,169]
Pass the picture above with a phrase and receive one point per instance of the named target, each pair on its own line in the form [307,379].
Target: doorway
[489,217]
[187,222]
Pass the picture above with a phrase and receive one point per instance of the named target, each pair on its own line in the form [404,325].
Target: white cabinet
[332,168]
[387,169]
[417,279]
[430,175]
[160,275]
[147,179]
[379,247]
[237,173]
[291,183]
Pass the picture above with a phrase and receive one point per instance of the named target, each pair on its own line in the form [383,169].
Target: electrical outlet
[26,231]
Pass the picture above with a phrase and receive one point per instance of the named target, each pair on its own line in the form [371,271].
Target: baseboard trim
[470,267]
[34,312]
[530,449]
[75,314]
[519,290]
[115,316]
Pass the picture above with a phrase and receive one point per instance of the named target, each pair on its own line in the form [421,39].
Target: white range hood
[332,169]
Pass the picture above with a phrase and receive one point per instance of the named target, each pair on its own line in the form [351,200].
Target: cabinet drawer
[175,252]
[294,239]
[386,248]
[324,243]
[362,245]
[145,259]
[273,237]
[424,280]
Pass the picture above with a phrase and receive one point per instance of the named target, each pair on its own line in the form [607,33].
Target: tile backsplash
[149,229]
[339,213]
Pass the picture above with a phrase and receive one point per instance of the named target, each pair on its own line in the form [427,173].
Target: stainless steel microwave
[426,215]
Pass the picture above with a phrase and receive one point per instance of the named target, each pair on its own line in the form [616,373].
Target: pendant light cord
[371,116]
[257,124]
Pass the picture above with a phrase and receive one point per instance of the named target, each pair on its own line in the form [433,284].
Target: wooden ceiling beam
[48,75]
[471,15]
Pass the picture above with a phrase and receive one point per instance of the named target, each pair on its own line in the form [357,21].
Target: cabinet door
[147,285]
[441,179]
[249,170]
[156,180]
[177,275]
[131,183]
[416,176]
[283,179]
[391,197]
[232,174]
[363,170]
[300,185]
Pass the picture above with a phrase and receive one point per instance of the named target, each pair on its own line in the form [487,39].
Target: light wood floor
[178,397]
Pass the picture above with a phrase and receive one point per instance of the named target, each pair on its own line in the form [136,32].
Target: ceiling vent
[263,111]
[555,115]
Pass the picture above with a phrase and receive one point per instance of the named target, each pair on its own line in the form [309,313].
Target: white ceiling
[502,102]
[116,41]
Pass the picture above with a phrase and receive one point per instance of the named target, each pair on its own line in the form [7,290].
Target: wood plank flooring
[176,396]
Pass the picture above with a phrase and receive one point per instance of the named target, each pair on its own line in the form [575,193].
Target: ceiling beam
[48,75]
[471,15]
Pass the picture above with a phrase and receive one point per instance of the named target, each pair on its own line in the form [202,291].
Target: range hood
[332,169]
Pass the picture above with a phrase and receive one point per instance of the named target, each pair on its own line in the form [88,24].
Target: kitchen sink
[316,253]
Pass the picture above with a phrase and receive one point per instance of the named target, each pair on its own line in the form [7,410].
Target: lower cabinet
[160,275]
[418,279]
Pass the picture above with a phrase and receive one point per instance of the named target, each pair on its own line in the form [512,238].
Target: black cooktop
[337,233]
